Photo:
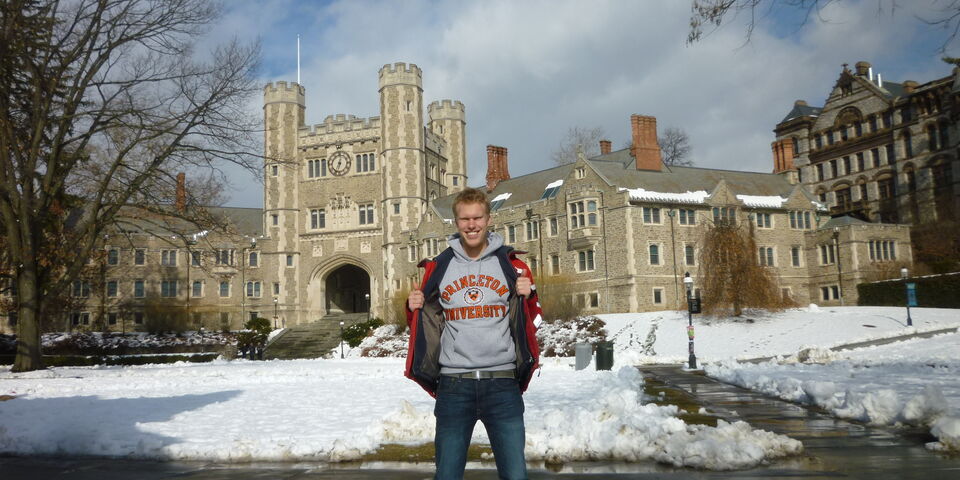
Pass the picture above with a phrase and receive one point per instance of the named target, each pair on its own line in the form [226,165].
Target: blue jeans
[497,403]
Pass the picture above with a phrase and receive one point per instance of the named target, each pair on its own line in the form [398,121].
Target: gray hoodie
[474,294]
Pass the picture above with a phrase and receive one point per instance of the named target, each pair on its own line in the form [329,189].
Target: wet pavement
[833,449]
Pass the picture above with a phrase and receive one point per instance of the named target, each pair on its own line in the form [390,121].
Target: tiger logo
[473,295]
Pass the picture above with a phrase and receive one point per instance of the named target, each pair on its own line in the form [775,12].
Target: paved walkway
[832,447]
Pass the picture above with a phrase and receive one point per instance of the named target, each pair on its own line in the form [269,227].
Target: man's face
[472,223]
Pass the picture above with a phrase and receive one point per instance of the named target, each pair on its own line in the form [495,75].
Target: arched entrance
[347,290]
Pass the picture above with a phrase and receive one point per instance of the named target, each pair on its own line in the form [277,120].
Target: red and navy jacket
[426,324]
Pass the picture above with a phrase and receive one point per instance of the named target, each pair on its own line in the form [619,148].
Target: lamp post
[836,245]
[903,274]
[275,315]
[243,279]
[366,297]
[341,339]
[688,282]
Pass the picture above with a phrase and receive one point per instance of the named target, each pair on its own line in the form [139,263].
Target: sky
[529,71]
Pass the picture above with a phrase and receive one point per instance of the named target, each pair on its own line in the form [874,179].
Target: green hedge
[938,291]
[354,334]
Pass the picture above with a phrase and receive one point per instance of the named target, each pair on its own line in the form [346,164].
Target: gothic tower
[402,157]
[447,119]
[283,116]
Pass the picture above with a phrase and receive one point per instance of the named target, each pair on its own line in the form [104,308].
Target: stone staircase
[311,340]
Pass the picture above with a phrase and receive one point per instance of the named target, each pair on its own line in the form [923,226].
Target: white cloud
[527,71]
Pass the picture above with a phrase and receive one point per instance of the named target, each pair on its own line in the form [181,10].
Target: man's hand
[524,286]
[415,299]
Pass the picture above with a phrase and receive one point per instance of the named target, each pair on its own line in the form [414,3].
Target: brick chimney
[645,148]
[604,147]
[782,155]
[181,202]
[497,169]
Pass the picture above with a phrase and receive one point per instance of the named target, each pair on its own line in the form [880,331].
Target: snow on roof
[640,194]
[774,201]
[555,183]
[502,196]
[820,206]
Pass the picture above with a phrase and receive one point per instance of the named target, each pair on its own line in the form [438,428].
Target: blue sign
[911,294]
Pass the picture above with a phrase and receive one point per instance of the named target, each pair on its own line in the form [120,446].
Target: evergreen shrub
[354,334]
[935,291]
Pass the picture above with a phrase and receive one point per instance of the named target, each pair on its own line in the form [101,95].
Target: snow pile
[872,386]
[639,194]
[339,410]
[558,338]
[384,341]
[612,423]
[759,201]
[616,425]
[110,341]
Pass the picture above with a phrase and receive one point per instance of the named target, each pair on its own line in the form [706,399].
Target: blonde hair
[471,195]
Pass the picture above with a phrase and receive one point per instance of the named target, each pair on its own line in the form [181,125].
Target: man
[473,341]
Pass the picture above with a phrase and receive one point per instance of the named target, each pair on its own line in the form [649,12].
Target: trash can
[604,355]
[584,352]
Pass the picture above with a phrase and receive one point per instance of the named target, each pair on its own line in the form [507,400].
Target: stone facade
[627,234]
[878,150]
[352,205]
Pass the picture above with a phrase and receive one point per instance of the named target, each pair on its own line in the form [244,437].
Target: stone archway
[347,290]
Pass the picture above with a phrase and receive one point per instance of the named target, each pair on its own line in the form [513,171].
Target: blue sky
[528,71]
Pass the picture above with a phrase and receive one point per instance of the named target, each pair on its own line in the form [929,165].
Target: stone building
[627,228]
[340,197]
[352,205]
[879,151]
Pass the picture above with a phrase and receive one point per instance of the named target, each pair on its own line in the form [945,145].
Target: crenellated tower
[283,116]
[402,156]
[448,119]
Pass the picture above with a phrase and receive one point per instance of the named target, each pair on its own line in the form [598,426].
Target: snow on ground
[914,382]
[661,337]
[339,410]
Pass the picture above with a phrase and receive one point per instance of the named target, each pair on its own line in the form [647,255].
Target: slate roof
[842,221]
[618,168]
[523,189]
[246,221]
[802,111]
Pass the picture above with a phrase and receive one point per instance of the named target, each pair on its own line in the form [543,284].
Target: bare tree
[732,278]
[713,13]
[588,138]
[675,147]
[102,102]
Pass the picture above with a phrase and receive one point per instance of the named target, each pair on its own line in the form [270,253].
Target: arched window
[932,137]
[843,198]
